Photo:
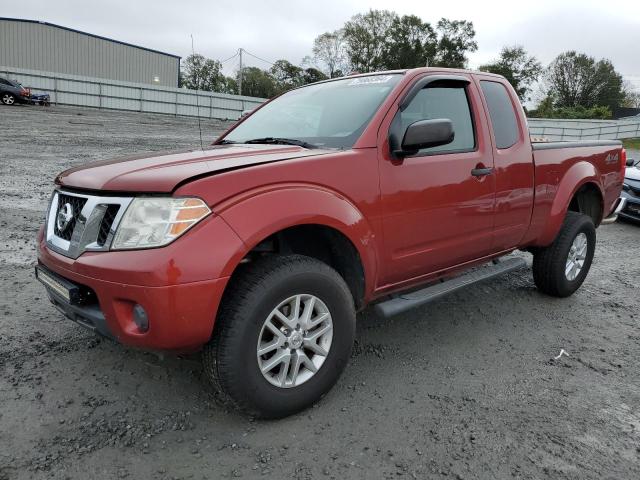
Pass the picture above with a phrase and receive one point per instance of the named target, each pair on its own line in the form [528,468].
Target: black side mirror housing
[426,134]
[630,162]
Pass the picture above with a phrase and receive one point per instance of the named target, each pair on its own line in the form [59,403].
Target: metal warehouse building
[35,45]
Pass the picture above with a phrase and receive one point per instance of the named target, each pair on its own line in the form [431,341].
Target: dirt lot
[466,388]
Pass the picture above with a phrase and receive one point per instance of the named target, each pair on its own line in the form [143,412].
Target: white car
[629,206]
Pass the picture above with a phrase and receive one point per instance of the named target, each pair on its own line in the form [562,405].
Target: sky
[286,28]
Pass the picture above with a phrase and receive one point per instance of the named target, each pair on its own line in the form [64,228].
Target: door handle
[481,172]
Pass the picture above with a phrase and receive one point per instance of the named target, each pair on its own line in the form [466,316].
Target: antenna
[193,52]
[240,73]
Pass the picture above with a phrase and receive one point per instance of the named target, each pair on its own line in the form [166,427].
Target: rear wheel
[560,268]
[283,336]
[8,98]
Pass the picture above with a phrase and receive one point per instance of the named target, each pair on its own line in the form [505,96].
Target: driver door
[438,212]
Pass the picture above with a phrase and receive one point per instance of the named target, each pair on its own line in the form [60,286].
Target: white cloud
[286,28]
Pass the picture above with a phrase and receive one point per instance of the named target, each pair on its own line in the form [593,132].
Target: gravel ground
[465,388]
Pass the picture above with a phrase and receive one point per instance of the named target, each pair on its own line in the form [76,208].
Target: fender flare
[577,176]
[257,214]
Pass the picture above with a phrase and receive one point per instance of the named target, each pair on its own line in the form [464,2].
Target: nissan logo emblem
[65,215]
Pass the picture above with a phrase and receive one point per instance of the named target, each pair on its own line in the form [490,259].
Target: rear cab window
[502,113]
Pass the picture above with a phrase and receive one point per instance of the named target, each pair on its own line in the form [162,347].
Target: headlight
[157,221]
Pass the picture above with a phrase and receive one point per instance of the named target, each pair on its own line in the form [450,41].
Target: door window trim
[426,82]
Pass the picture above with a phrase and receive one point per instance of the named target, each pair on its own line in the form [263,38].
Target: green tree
[631,96]
[366,36]
[286,75]
[311,75]
[410,43]
[329,50]
[382,40]
[230,86]
[546,109]
[575,79]
[519,68]
[201,73]
[455,39]
[257,83]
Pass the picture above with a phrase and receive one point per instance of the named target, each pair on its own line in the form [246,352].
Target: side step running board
[407,301]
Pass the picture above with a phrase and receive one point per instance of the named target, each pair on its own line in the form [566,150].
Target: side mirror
[425,134]
[630,162]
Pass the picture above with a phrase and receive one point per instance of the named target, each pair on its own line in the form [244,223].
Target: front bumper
[181,317]
[42,99]
[629,207]
[179,286]
[83,311]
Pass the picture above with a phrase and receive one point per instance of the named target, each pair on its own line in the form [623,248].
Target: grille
[76,205]
[106,223]
[90,231]
[632,208]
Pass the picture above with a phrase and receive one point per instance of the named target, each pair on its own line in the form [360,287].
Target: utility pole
[240,74]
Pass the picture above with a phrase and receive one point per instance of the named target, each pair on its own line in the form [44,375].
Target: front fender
[257,214]
[578,175]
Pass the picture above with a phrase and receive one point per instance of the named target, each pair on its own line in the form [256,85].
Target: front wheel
[283,335]
[8,99]
[560,268]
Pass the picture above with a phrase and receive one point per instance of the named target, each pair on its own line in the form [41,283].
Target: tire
[231,361]
[8,98]
[552,272]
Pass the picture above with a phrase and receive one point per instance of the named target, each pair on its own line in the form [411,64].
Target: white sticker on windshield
[374,79]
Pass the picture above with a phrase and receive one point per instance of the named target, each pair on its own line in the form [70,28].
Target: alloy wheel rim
[7,99]
[294,341]
[576,257]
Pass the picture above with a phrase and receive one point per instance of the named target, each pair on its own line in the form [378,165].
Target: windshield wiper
[226,142]
[281,141]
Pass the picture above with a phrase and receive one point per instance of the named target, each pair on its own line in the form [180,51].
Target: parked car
[11,92]
[43,99]
[629,208]
[260,249]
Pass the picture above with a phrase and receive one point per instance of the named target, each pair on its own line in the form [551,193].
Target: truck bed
[558,167]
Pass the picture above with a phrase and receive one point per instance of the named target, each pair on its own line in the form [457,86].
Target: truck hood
[163,172]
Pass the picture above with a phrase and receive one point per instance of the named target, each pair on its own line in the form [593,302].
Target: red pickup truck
[392,189]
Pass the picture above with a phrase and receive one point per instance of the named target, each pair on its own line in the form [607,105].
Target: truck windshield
[332,114]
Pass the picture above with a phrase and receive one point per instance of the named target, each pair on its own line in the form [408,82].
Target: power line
[230,58]
[255,56]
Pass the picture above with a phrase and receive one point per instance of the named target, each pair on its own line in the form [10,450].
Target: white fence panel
[102,93]
[567,130]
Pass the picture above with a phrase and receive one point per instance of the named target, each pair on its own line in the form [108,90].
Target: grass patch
[631,143]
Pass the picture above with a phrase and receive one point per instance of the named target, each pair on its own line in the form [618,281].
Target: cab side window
[503,117]
[449,102]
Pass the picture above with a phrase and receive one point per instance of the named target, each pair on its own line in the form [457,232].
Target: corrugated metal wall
[40,46]
[112,94]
